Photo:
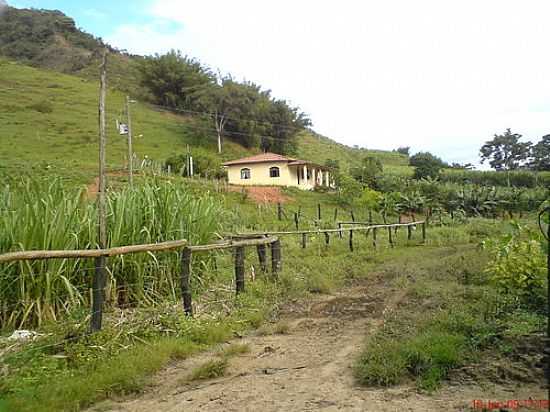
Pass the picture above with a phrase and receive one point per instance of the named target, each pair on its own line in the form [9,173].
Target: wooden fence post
[409,232]
[327,238]
[340,231]
[98,296]
[352,216]
[374,237]
[296,221]
[319,211]
[276,263]
[304,240]
[279,211]
[351,240]
[239,269]
[262,257]
[99,276]
[390,237]
[185,281]
[335,214]
[424,232]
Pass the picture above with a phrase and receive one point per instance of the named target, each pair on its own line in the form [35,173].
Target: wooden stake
[262,257]
[319,211]
[409,232]
[130,151]
[390,237]
[327,238]
[239,269]
[424,232]
[351,240]
[100,262]
[374,237]
[276,261]
[335,213]
[279,212]
[304,240]
[296,222]
[185,281]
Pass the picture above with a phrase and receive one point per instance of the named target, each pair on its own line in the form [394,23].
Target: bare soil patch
[263,194]
[309,368]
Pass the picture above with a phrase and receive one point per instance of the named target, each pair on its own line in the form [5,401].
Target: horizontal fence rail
[91,253]
[318,231]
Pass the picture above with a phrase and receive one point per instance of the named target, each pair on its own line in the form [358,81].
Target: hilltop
[48,107]
[48,125]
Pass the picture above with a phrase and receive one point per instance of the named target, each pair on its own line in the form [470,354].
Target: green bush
[43,106]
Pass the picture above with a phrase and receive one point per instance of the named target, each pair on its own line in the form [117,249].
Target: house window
[274,172]
[245,173]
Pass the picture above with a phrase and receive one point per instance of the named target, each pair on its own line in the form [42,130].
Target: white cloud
[436,75]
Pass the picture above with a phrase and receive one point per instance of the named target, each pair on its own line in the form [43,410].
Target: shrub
[43,106]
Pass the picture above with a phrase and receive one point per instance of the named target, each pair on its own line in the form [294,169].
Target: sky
[436,75]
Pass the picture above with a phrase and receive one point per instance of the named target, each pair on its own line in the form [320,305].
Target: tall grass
[45,215]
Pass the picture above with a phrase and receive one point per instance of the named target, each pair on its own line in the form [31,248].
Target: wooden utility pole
[130,151]
[99,276]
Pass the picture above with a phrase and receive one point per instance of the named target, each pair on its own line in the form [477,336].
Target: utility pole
[99,275]
[130,152]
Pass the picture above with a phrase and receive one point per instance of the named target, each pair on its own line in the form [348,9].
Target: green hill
[48,126]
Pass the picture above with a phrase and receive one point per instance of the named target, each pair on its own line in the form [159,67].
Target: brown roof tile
[264,157]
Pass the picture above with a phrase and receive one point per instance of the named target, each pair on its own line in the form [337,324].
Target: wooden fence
[186,254]
[232,241]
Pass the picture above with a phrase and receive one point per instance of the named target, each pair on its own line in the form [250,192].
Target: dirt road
[308,368]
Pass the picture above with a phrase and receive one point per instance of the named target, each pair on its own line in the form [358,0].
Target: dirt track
[309,368]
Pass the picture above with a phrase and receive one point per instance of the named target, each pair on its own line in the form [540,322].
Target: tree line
[240,111]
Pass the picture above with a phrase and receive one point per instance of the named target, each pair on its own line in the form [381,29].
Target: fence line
[318,231]
[236,241]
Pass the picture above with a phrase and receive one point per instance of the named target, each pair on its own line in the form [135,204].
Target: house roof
[264,157]
[272,157]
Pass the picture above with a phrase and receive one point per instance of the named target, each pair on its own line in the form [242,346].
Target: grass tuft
[211,369]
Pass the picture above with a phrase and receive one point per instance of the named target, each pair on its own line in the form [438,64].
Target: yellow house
[270,169]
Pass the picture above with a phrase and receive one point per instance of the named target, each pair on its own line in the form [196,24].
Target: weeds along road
[304,363]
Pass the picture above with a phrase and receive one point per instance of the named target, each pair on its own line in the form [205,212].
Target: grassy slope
[64,141]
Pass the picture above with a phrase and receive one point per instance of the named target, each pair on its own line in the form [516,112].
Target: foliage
[518,265]
[174,80]
[426,165]
[349,190]
[368,172]
[370,199]
[36,215]
[505,151]
[517,178]
[404,150]
[541,155]
[205,164]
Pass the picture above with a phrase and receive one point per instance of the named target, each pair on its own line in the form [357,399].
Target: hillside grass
[48,127]
[320,148]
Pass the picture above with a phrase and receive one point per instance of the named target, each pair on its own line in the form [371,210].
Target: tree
[462,166]
[370,168]
[349,190]
[505,152]
[426,165]
[175,80]
[540,154]
[404,150]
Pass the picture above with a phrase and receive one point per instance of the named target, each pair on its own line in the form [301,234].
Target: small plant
[234,350]
[211,369]
[43,106]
